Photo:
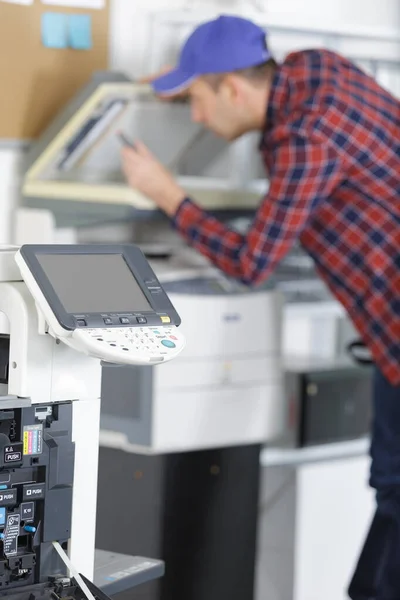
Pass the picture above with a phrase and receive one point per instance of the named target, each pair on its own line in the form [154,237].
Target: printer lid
[78,159]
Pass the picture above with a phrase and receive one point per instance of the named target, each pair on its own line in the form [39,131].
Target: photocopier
[203,424]
[189,452]
[69,310]
[181,441]
[227,387]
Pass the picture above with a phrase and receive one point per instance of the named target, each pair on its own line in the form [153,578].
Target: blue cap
[226,44]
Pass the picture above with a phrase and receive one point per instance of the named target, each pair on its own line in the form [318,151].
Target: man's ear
[233,87]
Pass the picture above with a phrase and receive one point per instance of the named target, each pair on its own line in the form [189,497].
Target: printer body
[225,390]
[190,438]
[48,441]
[55,332]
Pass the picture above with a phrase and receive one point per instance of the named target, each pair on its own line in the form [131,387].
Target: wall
[131,28]
[10,162]
[359,13]
[130,51]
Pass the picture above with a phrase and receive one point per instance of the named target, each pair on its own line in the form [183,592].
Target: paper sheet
[75,574]
[25,2]
[54,30]
[95,4]
[80,32]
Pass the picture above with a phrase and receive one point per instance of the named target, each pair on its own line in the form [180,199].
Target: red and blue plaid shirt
[331,147]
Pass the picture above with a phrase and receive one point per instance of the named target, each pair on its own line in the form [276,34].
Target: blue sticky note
[55,30]
[80,32]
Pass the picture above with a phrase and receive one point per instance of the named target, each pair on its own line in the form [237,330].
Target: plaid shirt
[331,146]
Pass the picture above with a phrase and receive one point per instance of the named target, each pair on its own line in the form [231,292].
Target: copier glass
[68,308]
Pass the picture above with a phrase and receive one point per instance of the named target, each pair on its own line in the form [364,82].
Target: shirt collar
[277,99]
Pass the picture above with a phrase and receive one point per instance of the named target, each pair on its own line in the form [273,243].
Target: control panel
[139,345]
[103,301]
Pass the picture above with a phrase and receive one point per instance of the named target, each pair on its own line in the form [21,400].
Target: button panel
[153,341]
[115,320]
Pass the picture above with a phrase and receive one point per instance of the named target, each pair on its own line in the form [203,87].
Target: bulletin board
[35,81]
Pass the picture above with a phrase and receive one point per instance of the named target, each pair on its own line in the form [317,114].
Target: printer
[225,390]
[209,420]
[68,309]
[189,452]
[196,423]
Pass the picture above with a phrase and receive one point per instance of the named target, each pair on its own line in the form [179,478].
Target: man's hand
[180,97]
[147,175]
[150,78]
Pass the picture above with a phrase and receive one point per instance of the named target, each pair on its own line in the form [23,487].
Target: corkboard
[36,82]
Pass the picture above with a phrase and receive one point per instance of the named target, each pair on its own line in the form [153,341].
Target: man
[330,140]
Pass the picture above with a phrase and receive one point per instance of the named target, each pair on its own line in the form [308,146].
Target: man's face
[218,110]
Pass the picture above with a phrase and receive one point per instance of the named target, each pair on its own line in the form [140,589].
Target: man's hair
[257,75]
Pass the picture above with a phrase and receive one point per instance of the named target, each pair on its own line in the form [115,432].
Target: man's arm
[305,173]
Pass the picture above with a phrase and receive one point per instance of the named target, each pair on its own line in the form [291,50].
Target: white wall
[10,162]
[359,13]
[132,27]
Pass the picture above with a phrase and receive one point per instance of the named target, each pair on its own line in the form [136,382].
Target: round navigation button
[168,344]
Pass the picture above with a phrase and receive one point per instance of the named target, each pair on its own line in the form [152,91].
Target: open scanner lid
[78,159]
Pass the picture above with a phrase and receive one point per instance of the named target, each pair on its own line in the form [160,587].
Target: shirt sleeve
[305,172]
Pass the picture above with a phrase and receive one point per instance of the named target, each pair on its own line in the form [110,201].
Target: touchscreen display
[93,283]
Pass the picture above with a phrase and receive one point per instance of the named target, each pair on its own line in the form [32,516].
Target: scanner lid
[75,166]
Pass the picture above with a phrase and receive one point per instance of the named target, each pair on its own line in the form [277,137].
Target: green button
[168,343]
